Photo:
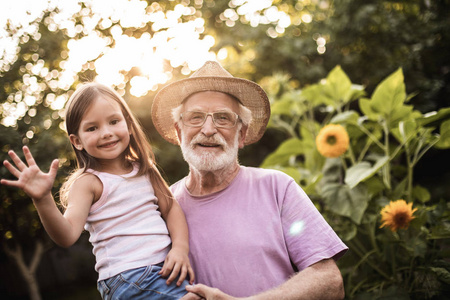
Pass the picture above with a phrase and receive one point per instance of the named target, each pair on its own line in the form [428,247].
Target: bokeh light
[112,56]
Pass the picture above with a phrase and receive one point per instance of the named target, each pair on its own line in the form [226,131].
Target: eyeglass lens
[220,119]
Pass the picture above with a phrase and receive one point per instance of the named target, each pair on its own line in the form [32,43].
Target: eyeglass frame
[238,118]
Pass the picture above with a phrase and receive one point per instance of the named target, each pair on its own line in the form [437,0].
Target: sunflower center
[401,219]
[331,140]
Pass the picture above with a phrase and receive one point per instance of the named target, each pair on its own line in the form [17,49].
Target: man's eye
[196,117]
[224,117]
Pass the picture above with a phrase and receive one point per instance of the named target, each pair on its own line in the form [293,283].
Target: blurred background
[48,47]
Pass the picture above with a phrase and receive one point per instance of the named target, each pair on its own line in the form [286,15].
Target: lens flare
[297,228]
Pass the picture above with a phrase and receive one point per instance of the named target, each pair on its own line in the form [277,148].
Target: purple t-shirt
[244,238]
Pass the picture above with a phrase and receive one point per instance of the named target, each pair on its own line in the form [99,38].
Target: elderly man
[253,232]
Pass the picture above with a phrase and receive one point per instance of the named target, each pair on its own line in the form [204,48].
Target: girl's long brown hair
[139,150]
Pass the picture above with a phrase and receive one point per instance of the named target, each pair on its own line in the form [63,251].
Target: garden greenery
[405,259]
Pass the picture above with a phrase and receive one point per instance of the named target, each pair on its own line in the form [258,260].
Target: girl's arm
[177,260]
[63,229]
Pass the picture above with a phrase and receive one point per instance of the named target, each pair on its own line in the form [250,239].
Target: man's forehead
[211,100]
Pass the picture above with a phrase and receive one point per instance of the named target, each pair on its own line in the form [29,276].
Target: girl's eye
[114,122]
[90,129]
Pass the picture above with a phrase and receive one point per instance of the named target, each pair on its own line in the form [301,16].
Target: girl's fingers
[53,169]
[13,183]
[174,274]
[17,161]
[191,275]
[29,158]
[11,169]
[182,276]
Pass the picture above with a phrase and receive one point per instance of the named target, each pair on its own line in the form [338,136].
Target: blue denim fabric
[141,283]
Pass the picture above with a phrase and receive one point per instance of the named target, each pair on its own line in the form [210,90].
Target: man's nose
[209,128]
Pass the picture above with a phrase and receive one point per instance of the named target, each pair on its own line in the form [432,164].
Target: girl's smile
[108,145]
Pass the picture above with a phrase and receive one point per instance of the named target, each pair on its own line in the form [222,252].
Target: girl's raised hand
[30,178]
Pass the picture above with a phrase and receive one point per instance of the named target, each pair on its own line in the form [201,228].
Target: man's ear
[76,142]
[242,136]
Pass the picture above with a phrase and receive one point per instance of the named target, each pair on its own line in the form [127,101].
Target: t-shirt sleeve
[309,238]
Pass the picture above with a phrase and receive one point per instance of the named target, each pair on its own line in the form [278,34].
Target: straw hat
[211,77]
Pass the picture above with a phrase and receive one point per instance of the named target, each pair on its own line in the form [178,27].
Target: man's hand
[208,293]
[191,296]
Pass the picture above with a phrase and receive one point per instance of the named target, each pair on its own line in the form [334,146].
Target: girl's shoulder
[90,183]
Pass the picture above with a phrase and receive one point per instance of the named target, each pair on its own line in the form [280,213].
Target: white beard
[205,160]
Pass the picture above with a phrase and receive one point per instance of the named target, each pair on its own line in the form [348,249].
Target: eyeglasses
[222,119]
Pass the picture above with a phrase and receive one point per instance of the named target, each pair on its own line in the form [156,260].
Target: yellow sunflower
[332,140]
[397,215]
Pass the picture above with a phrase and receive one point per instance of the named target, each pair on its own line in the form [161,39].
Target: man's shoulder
[260,173]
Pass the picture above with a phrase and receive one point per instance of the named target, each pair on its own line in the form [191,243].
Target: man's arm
[321,280]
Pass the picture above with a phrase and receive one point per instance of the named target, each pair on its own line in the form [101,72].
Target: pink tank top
[126,229]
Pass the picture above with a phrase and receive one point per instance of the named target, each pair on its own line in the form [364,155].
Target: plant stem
[364,150]
[282,124]
[410,271]
[371,229]
[409,174]
[386,167]
[351,154]
[371,264]
[352,293]
[371,136]
[410,181]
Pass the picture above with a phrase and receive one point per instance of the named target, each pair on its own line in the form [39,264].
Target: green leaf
[374,185]
[422,194]
[404,130]
[399,190]
[331,170]
[431,118]
[314,94]
[390,94]
[308,136]
[346,202]
[282,154]
[362,171]
[387,102]
[350,116]
[441,231]
[357,91]
[416,246]
[281,107]
[289,104]
[400,113]
[366,108]
[292,172]
[444,140]
[311,188]
[338,86]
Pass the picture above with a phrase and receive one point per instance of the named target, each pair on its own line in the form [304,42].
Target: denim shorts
[140,283]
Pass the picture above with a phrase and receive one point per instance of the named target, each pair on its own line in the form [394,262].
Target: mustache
[201,139]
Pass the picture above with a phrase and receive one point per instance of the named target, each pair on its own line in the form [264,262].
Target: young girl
[118,195]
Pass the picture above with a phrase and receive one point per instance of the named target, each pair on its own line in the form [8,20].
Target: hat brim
[250,94]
